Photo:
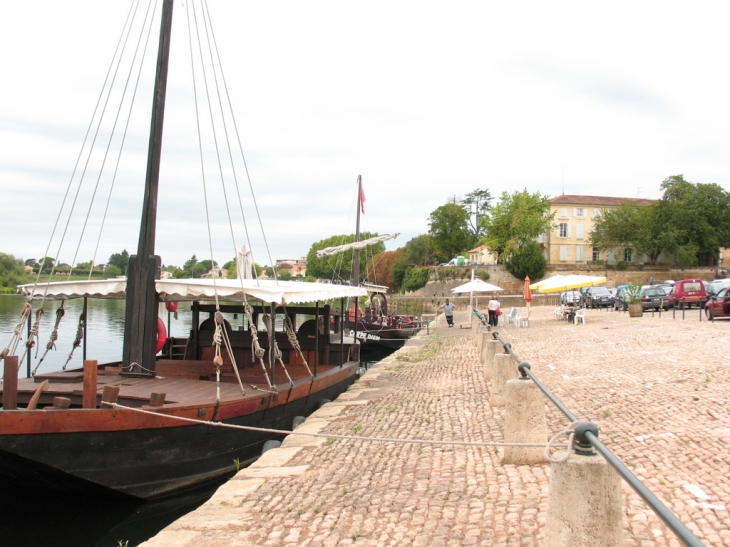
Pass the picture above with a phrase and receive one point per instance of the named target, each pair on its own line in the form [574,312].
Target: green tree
[112,271]
[284,275]
[515,220]
[120,260]
[11,271]
[415,278]
[420,251]
[339,266]
[400,268]
[477,205]
[527,260]
[630,225]
[449,228]
[47,263]
[697,220]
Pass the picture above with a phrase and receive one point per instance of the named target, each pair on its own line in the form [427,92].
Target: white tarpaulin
[178,290]
[329,251]
[560,283]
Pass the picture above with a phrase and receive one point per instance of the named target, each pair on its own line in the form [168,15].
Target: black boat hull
[151,462]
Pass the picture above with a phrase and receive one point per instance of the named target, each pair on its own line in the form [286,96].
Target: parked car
[687,293]
[619,299]
[570,298]
[718,305]
[598,297]
[717,285]
[654,298]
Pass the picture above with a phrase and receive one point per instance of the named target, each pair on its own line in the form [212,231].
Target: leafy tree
[339,266]
[516,220]
[697,218]
[477,205]
[11,270]
[84,265]
[207,265]
[120,260]
[415,279]
[32,262]
[47,263]
[420,251]
[112,271]
[449,228]
[284,275]
[400,268]
[527,260]
[630,225]
[380,268]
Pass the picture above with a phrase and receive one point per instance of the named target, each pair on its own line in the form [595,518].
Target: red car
[718,305]
[687,293]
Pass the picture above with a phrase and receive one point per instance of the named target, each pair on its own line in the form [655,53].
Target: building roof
[478,249]
[598,200]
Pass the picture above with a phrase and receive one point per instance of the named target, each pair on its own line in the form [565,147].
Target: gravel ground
[656,387]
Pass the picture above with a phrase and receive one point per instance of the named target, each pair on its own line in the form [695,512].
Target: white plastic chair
[559,313]
[511,316]
[522,320]
[580,314]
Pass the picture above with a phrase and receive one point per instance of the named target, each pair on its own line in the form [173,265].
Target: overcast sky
[427,100]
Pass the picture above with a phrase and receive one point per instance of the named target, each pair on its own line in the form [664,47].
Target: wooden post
[109,395]
[157,399]
[88,399]
[10,383]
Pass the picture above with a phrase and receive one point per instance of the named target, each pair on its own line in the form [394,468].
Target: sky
[427,100]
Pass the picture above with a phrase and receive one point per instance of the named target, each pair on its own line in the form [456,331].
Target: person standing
[448,312]
[494,311]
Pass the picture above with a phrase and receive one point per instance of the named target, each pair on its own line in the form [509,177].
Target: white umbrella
[477,285]
[244,262]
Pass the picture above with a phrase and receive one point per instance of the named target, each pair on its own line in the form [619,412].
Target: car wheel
[709,313]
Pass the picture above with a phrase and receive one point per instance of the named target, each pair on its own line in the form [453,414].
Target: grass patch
[426,352]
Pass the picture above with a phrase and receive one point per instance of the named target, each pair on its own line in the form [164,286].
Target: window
[579,253]
[596,255]
[563,211]
[563,229]
[563,252]
[579,230]
[628,255]
[578,212]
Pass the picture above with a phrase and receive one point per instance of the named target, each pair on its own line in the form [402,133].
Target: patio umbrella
[527,294]
[560,283]
[477,285]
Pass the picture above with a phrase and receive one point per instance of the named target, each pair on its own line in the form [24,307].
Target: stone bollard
[584,504]
[490,348]
[505,369]
[524,422]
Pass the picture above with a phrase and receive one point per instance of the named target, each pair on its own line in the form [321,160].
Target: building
[568,240]
[482,255]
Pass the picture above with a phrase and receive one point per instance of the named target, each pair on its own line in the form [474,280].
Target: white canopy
[177,290]
[559,283]
[329,251]
[477,285]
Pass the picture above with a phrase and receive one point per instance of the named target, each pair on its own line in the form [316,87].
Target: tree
[47,263]
[449,228]
[630,225]
[380,268]
[415,278]
[515,220]
[120,260]
[421,251]
[32,262]
[527,260]
[476,204]
[697,220]
[112,271]
[284,275]
[195,269]
[339,266]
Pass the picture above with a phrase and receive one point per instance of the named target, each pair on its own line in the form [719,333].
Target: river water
[64,520]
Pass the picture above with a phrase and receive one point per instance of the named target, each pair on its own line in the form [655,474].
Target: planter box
[636,310]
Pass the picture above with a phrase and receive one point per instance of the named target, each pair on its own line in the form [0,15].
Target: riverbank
[656,387]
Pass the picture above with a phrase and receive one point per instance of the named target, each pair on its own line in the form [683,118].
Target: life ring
[171,306]
[161,335]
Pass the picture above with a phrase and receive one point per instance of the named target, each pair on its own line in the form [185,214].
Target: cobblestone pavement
[656,387]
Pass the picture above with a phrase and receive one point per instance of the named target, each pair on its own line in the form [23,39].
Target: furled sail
[357,245]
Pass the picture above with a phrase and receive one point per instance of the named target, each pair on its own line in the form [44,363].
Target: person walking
[448,312]
[494,311]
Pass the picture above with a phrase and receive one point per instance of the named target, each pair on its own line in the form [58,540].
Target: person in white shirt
[494,311]
[448,312]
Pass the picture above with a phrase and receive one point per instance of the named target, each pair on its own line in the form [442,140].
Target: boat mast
[140,332]
[356,253]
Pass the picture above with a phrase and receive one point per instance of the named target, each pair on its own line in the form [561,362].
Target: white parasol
[244,262]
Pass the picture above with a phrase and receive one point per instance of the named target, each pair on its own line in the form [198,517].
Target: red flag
[362,200]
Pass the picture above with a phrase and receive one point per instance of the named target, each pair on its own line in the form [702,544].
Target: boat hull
[136,454]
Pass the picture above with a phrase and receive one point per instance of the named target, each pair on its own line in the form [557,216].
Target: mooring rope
[331,435]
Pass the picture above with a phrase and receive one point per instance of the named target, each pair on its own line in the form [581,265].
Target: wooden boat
[375,326]
[147,425]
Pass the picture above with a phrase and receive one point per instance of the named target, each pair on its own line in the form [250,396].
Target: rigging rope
[270,328]
[51,345]
[78,339]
